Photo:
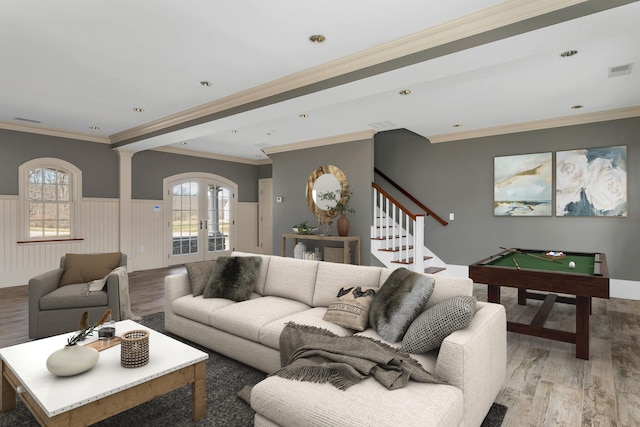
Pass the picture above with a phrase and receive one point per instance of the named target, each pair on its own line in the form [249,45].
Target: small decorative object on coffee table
[135,349]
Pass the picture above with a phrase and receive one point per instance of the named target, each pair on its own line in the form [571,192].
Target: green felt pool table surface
[584,263]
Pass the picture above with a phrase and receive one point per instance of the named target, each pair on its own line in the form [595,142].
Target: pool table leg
[493,293]
[583,308]
[522,296]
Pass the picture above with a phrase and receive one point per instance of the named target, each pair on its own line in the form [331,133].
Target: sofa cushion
[351,307]
[291,278]
[398,302]
[270,333]
[232,278]
[198,308]
[199,273]
[334,276]
[83,268]
[73,296]
[447,287]
[302,403]
[436,323]
[245,319]
[427,360]
[262,273]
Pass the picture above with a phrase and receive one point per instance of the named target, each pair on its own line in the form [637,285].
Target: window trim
[75,177]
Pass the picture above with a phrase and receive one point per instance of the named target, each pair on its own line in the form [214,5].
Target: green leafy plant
[304,228]
[340,200]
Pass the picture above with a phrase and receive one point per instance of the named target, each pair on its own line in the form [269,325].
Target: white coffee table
[107,388]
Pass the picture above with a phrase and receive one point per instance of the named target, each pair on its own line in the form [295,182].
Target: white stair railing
[401,230]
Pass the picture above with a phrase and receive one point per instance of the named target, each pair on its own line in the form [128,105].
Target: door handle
[200,224]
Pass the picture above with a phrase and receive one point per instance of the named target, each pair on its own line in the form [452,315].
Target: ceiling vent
[22,119]
[620,70]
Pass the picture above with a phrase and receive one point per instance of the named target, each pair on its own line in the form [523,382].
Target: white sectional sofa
[472,360]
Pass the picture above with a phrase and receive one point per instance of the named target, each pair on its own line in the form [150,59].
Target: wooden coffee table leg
[8,394]
[582,327]
[198,392]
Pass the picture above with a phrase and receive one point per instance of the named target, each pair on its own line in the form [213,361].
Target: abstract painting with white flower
[522,185]
[592,182]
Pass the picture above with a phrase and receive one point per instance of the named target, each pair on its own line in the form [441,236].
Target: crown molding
[194,153]
[601,116]
[53,132]
[503,14]
[320,142]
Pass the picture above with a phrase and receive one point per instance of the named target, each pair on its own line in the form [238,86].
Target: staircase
[397,236]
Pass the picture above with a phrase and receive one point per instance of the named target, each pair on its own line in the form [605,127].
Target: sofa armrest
[474,359]
[175,286]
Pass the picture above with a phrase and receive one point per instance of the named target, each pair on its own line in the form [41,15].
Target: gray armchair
[55,310]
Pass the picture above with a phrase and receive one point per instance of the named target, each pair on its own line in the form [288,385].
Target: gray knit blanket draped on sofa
[313,354]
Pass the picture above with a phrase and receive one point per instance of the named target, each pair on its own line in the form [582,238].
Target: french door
[201,211]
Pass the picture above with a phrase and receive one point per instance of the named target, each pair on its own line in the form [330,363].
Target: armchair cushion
[73,296]
[83,268]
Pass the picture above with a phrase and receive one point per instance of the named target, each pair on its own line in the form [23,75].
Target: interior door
[265,215]
[201,223]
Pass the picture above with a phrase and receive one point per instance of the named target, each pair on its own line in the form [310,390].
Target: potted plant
[340,201]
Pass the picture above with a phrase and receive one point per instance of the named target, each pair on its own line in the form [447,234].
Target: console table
[346,242]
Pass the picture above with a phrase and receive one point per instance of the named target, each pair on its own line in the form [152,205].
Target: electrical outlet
[278,199]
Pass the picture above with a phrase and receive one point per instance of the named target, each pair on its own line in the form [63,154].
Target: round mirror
[327,178]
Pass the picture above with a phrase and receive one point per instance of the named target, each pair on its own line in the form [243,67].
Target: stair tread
[396,249]
[410,260]
[433,270]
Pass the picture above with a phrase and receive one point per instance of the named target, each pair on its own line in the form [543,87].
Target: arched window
[50,192]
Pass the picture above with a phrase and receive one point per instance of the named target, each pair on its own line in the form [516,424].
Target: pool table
[531,270]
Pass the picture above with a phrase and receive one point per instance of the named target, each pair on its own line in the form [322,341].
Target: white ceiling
[73,64]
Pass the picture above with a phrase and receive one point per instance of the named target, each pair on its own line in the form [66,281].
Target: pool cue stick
[532,256]
[516,263]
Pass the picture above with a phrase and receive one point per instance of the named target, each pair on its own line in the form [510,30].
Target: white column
[126,216]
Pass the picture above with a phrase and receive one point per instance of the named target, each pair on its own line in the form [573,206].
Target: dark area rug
[225,378]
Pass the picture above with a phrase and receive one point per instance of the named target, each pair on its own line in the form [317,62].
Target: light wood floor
[546,385]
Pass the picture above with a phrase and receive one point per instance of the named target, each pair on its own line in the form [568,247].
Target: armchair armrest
[113,295]
[44,284]
[474,359]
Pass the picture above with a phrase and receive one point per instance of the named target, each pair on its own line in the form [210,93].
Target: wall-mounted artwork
[592,182]
[522,185]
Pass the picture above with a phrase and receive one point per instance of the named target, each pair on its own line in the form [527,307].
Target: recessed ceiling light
[303,116]
[94,127]
[316,38]
[568,53]
[404,92]
[270,132]
[138,109]
[457,125]
[576,107]
[205,83]
[235,131]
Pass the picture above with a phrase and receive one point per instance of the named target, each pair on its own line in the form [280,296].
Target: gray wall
[149,168]
[99,165]
[458,177]
[291,171]
[98,162]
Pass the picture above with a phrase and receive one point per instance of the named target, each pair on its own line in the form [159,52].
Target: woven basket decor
[134,349]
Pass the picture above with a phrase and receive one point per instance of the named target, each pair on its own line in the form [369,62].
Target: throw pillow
[351,307]
[436,323]
[199,273]
[233,278]
[84,268]
[399,301]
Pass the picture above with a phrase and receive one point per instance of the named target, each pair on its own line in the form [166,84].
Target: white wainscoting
[20,262]
[148,235]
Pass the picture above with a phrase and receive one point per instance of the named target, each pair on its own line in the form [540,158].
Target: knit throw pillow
[233,278]
[436,323]
[199,273]
[351,307]
[399,301]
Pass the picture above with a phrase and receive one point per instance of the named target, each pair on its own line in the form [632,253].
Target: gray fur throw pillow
[438,322]
[398,302]
[199,273]
[233,278]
